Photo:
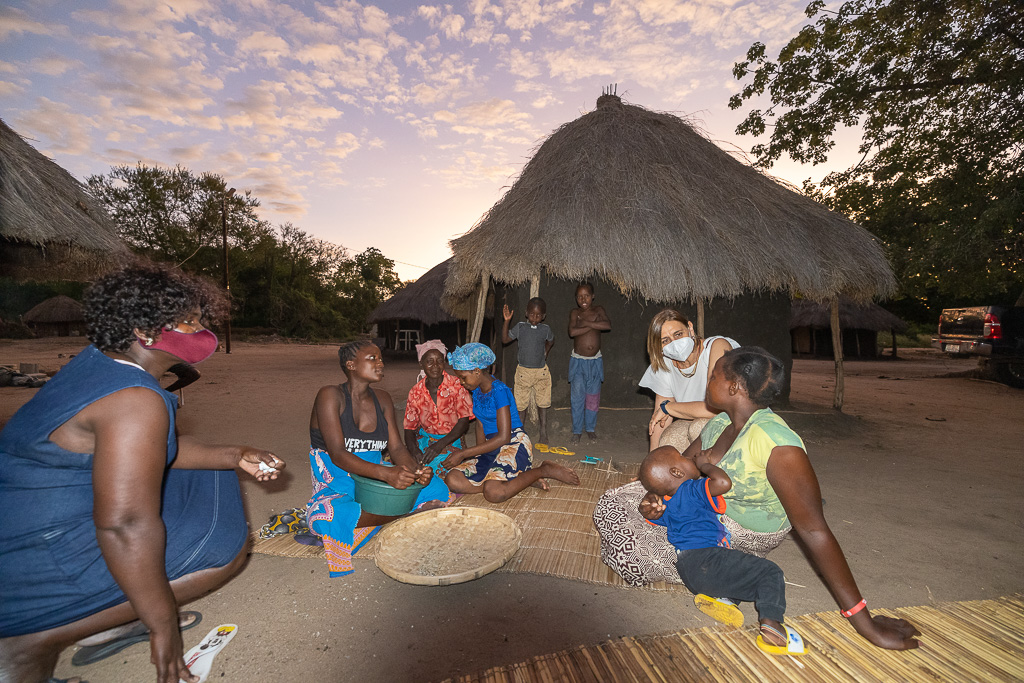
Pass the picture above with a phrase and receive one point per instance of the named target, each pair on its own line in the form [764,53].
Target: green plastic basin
[380,498]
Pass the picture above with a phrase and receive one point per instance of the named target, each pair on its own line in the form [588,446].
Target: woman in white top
[681,364]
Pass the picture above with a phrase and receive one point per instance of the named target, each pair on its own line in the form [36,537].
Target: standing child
[501,462]
[533,379]
[586,369]
[688,506]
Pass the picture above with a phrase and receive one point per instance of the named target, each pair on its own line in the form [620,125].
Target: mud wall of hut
[752,320]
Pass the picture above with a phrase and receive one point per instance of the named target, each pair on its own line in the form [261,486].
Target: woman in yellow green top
[774,486]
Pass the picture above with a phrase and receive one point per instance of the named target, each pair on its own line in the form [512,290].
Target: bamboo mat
[980,640]
[559,537]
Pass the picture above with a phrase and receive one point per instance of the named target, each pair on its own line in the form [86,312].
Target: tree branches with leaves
[282,279]
[936,88]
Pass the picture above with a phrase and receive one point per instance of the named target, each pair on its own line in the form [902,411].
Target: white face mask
[679,349]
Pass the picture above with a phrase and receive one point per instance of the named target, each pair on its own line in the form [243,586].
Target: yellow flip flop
[794,643]
[719,609]
[561,450]
[542,447]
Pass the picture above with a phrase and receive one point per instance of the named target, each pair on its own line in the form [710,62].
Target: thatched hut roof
[646,202]
[45,207]
[421,300]
[852,316]
[57,309]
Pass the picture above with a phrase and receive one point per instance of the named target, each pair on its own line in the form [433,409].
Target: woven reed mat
[980,640]
[559,537]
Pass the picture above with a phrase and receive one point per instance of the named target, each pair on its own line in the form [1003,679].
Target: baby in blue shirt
[688,505]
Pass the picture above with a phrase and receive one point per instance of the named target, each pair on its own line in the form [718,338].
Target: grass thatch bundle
[852,316]
[57,309]
[646,202]
[43,206]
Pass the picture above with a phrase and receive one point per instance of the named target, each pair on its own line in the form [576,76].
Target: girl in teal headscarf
[501,464]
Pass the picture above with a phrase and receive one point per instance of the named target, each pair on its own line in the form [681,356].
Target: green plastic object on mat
[380,498]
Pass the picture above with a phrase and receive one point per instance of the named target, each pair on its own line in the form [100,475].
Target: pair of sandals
[726,612]
[556,450]
[137,634]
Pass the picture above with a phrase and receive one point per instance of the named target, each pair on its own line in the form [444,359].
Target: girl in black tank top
[355,440]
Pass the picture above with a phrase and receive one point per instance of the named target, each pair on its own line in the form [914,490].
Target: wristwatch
[663,404]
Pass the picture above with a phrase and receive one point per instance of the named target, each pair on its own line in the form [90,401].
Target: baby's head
[536,310]
[664,469]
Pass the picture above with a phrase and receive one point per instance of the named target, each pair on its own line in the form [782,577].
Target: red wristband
[853,610]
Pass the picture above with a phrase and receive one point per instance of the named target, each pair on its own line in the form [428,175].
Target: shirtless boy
[586,369]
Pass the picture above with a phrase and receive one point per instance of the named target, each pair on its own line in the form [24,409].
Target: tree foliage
[936,88]
[281,279]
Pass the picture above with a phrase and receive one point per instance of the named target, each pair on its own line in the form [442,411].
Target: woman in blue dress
[109,515]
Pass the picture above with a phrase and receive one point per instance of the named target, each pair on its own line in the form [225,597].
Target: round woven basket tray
[448,545]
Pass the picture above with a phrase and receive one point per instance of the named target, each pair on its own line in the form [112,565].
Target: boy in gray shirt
[533,380]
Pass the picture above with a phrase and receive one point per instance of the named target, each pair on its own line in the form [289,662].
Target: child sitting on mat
[501,462]
[688,506]
[350,427]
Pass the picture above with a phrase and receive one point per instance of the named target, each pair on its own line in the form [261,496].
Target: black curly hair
[349,350]
[146,297]
[760,373]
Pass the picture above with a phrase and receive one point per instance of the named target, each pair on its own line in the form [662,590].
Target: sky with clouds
[394,125]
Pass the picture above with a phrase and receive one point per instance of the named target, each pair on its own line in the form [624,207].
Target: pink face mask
[194,347]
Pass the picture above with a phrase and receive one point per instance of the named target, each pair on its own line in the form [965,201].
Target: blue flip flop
[138,633]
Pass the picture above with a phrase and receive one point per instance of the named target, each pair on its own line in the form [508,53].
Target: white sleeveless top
[674,384]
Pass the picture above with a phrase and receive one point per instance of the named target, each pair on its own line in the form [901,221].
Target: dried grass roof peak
[645,201]
[45,205]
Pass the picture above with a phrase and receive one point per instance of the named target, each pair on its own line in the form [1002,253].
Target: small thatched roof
[57,309]
[421,300]
[44,206]
[852,316]
[646,202]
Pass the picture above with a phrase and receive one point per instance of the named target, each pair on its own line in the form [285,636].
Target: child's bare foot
[772,633]
[592,436]
[553,470]
[541,484]
[575,439]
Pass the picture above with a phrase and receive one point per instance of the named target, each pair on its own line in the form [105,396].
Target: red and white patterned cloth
[453,404]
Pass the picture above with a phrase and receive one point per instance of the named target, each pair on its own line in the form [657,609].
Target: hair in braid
[760,373]
[350,350]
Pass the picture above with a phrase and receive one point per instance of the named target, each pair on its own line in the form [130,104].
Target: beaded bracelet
[853,610]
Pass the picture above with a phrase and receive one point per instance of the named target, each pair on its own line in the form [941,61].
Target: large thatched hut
[58,316]
[654,213]
[810,321]
[415,313]
[50,226]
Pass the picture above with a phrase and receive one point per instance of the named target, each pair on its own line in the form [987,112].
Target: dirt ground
[921,475]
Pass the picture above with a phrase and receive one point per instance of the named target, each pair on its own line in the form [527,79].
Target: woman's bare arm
[129,460]
[792,477]
[504,436]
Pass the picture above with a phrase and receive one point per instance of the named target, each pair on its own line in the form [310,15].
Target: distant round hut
[58,316]
[810,327]
[414,314]
[50,226]
[655,214]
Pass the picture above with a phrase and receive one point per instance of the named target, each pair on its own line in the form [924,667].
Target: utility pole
[227,284]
